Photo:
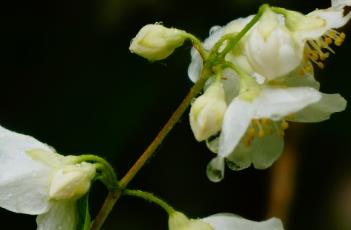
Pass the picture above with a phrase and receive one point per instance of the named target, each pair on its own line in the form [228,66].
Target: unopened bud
[71,181]
[178,221]
[156,42]
[207,112]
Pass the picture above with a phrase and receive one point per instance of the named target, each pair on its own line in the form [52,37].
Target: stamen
[284,125]
[261,132]
[319,50]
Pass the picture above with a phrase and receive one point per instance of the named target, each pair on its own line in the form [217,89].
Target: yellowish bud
[71,181]
[207,112]
[156,42]
[178,221]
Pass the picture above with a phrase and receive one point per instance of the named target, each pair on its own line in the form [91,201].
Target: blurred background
[69,80]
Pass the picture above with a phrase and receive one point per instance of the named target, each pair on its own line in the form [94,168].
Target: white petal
[216,32]
[334,18]
[24,183]
[336,3]
[231,85]
[322,110]
[195,66]
[267,149]
[236,120]
[298,78]
[275,103]
[233,222]
[240,158]
[61,216]
[273,56]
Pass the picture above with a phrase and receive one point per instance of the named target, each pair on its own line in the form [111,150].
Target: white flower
[207,111]
[156,42]
[315,32]
[280,41]
[254,123]
[35,180]
[270,49]
[223,221]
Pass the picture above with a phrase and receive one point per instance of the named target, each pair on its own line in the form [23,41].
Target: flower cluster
[265,81]
[259,76]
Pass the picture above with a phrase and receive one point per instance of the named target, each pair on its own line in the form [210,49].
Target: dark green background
[69,80]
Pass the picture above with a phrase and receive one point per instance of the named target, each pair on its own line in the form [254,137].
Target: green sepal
[84,219]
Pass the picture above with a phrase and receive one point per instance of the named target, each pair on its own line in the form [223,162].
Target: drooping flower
[254,123]
[35,180]
[156,42]
[223,221]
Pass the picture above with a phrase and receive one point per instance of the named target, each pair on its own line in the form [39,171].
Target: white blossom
[254,122]
[221,221]
[35,180]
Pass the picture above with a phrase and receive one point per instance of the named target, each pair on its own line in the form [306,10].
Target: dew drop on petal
[215,169]
[214,29]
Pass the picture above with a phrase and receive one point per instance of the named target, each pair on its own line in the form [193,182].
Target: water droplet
[214,175]
[214,29]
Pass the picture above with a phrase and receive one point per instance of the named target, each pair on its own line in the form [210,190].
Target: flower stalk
[150,197]
[112,197]
[209,63]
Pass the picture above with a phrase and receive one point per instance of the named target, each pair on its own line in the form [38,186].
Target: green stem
[233,42]
[112,197]
[150,197]
[198,45]
[219,43]
[108,177]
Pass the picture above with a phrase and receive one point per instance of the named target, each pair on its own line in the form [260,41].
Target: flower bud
[156,42]
[71,181]
[178,221]
[206,114]
[271,49]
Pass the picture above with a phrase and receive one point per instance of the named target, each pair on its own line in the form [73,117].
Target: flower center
[263,127]
[318,50]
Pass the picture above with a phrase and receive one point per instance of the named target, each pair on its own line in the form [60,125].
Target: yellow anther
[320,65]
[251,131]
[308,69]
[261,133]
[248,140]
[314,55]
[338,41]
[301,72]
[324,56]
[332,33]
[342,35]
[328,40]
[284,125]
[266,121]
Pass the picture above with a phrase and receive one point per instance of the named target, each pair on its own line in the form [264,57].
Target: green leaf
[84,219]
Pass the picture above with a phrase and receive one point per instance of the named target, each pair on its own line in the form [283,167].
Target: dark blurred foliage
[69,80]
